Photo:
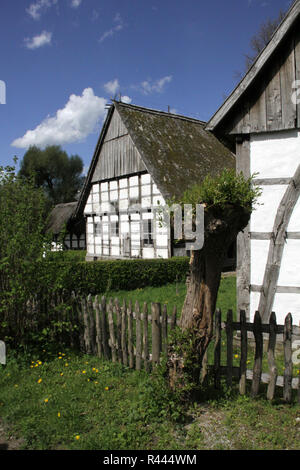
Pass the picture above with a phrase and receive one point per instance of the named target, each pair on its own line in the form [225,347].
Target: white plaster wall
[290,265]
[263,216]
[259,254]
[275,155]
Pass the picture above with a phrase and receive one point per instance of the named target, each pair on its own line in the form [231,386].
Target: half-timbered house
[261,118]
[143,158]
[68,232]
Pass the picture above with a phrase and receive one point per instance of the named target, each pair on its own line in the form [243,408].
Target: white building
[261,118]
[143,158]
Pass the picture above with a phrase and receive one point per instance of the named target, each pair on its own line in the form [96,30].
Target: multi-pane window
[148,231]
[121,221]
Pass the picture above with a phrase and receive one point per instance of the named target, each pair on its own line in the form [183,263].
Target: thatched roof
[176,150]
[60,216]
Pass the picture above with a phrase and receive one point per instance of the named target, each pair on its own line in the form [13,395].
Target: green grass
[59,399]
[174,294]
[79,402]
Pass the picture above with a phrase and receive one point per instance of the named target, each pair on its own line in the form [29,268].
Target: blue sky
[62,61]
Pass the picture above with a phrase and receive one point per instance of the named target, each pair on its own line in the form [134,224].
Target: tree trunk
[202,291]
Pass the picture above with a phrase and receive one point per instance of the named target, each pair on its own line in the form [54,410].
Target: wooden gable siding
[267,104]
[118,155]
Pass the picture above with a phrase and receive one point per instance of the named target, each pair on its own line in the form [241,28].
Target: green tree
[228,202]
[22,247]
[58,174]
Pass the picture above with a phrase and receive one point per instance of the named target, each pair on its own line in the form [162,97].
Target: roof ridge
[156,111]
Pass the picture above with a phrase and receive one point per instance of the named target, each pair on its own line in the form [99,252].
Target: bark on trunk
[202,287]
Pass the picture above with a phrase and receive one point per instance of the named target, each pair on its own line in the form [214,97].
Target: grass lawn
[71,401]
[59,399]
[174,294]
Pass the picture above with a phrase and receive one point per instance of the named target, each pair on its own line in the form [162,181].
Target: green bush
[100,276]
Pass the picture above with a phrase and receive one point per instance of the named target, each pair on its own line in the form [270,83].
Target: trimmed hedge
[100,276]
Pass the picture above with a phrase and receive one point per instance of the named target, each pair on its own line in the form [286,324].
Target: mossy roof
[177,151]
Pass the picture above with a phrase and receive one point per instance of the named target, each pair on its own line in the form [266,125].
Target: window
[97,229]
[114,228]
[148,232]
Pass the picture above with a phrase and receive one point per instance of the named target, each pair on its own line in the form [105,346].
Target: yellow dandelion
[39,381]
[236,356]
[84,371]
[63,354]
[59,357]
[95,382]
[36,365]
[31,367]
[58,414]
[39,362]
[77,437]
[106,388]
[61,373]
[66,364]
[46,400]
[96,370]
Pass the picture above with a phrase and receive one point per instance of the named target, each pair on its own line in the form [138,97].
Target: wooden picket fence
[137,335]
[133,337]
[259,334]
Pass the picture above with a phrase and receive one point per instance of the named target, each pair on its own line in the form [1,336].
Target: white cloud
[118,26]
[36,9]
[42,39]
[75,3]
[126,99]
[112,86]
[73,123]
[157,86]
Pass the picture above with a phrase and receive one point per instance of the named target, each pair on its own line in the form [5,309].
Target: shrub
[101,276]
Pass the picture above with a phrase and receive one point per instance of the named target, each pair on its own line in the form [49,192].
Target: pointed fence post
[112,331]
[145,337]
[217,350]
[127,318]
[119,330]
[104,329]
[229,334]
[86,335]
[156,333]
[164,329]
[138,334]
[257,368]
[243,362]
[271,357]
[92,328]
[99,341]
[288,364]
